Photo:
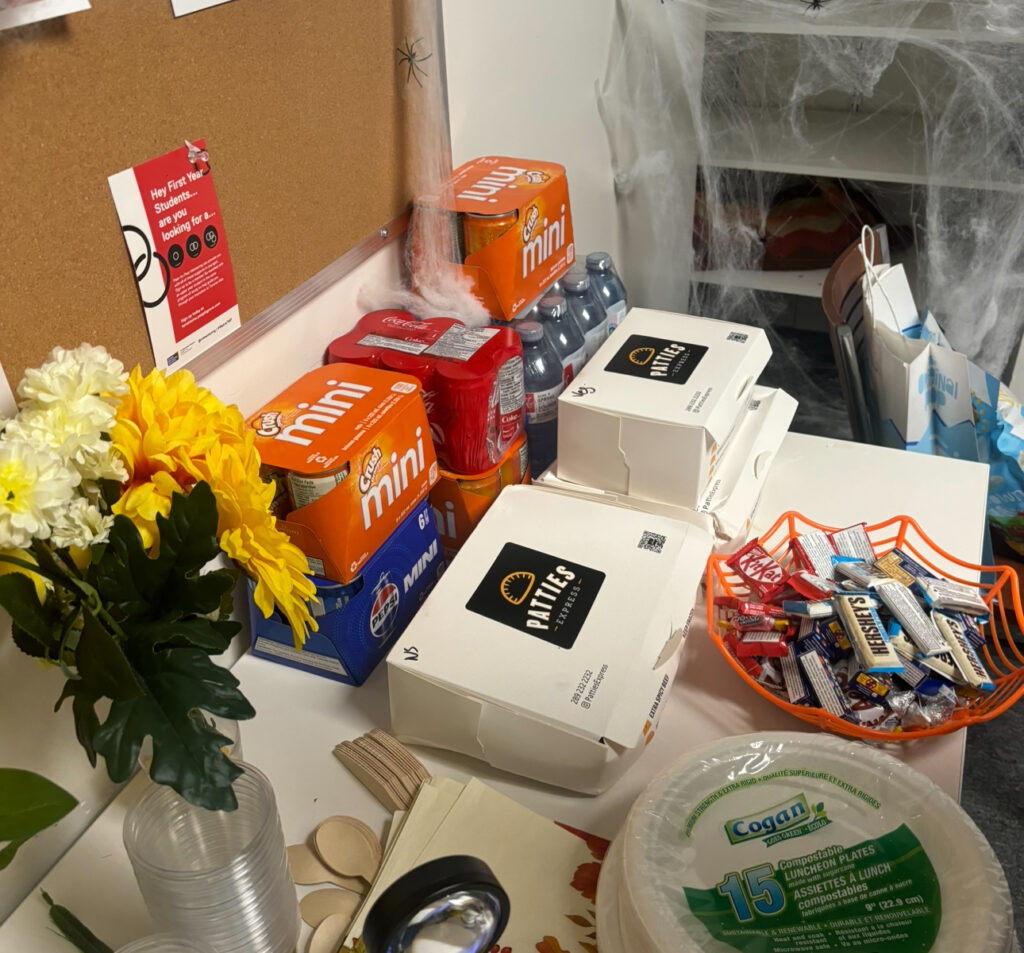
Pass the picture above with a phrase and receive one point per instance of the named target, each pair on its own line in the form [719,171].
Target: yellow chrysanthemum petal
[172,433]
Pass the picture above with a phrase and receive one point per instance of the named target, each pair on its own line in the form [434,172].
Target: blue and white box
[359,621]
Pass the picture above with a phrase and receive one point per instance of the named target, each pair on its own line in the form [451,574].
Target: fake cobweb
[685,105]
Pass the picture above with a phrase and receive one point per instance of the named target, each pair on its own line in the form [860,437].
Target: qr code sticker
[737,336]
[652,542]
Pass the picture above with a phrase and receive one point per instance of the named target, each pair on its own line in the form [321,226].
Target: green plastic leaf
[102,665]
[212,636]
[84,709]
[187,754]
[18,597]
[123,572]
[142,587]
[188,535]
[29,803]
[27,644]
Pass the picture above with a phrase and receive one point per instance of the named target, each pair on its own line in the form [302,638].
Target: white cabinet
[919,102]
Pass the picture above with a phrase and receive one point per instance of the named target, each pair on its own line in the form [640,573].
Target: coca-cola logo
[394,322]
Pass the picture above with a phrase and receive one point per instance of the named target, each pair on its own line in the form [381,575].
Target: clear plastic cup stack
[220,877]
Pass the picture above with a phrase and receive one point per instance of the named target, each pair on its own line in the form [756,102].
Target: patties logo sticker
[537,593]
[656,359]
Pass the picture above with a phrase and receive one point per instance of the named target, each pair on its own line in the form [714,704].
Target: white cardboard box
[729,500]
[651,412]
[731,496]
[551,480]
[548,646]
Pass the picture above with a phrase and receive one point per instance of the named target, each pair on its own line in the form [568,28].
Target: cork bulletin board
[300,105]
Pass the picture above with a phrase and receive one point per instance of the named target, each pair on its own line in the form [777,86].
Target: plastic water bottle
[564,334]
[585,306]
[607,283]
[542,371]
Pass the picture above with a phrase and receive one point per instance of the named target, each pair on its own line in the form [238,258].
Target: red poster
[176,241]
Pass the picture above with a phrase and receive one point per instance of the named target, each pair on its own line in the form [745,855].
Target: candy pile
[881,642]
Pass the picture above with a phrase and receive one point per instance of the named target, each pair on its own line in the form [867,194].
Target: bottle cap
[529,331]
[551,306]
[599,261]
[576,282]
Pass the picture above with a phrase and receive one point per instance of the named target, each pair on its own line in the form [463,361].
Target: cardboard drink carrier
[460,501]
[360,620]
[471,380]
[511,223]
[349,450]
[545,649]
[653,411]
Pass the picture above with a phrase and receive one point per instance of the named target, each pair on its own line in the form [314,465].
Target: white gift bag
[928,398]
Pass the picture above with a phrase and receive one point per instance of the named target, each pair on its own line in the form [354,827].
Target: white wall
[522,82]
[31,735]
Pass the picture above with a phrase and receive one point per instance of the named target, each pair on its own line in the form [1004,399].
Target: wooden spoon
[307,868]
[348,847]
[317,906]
[329,936]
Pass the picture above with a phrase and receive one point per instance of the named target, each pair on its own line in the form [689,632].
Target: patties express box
[350,450]
[652,412]
[549,645]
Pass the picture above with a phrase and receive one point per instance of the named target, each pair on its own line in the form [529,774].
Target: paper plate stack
[797,843]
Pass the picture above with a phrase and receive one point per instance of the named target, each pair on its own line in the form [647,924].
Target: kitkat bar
[757,568]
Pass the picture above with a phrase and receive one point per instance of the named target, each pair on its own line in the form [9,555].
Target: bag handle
[867,254]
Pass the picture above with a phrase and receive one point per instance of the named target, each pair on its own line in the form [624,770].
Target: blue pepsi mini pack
[360,620]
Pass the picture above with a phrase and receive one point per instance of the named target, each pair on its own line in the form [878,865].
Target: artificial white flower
[78,376]
[81,524]
[72,433]
[35,487]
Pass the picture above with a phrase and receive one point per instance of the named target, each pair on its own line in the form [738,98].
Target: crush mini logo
[537,593]
[792,818]
[656,359]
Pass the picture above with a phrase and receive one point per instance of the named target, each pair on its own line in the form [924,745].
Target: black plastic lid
[424,885]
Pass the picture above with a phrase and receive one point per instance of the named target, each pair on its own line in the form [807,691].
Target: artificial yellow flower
[143,502]
[172,433]
[248,533]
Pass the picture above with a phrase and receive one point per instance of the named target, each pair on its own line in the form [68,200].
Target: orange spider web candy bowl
[994,647]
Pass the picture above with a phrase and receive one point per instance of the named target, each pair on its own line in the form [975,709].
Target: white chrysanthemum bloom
[81,524]
[35,488]
[76,377]
[70,431]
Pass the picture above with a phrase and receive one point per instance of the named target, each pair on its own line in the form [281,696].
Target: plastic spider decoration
[411,58]
[813,5]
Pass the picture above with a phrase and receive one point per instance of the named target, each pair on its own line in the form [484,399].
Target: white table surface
[301,717]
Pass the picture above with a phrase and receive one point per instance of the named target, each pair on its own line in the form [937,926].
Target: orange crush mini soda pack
[459,501]
[512,225]
[349,451]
